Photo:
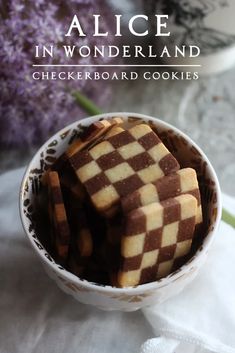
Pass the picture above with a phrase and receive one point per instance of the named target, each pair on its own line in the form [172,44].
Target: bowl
[131,298]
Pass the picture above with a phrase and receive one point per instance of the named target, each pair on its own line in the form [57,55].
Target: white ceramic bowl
[107,297]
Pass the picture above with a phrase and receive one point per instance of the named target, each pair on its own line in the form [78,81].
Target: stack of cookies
[121,210]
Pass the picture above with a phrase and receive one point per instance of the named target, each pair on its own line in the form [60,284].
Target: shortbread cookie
[70,182]
[81,244]
[121,164]
[81,251]
[182,182]
[113,242]
[156,235]
[58,218]
[114,131]
[91,134]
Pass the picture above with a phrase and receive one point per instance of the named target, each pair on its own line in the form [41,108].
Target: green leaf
[86,104]
[228,218]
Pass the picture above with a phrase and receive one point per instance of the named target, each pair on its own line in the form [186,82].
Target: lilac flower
[30,111]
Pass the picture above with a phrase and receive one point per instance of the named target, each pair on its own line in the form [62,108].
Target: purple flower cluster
[30,111]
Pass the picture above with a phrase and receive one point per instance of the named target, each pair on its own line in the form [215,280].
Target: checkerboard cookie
[81,250]
[70,182]
[121,164]
[156,235]
[91,135]
[90,254]
[60,230]
[113,243]
[114,131]
[81,240]
[95,131]
[181,182]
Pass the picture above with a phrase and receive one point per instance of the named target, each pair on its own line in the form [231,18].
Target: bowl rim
[107,288]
